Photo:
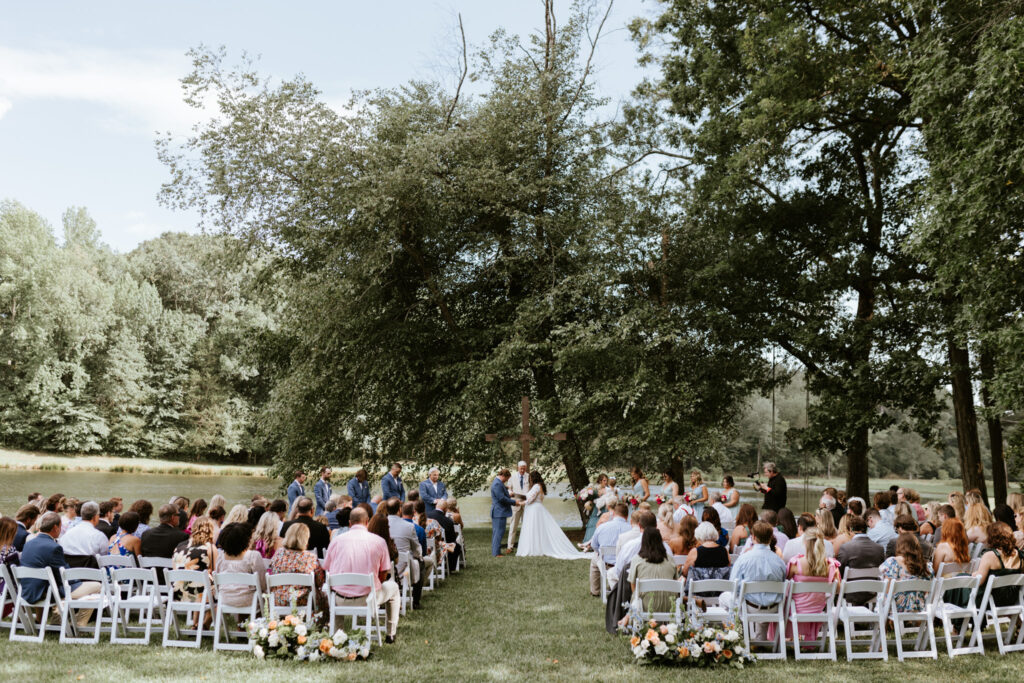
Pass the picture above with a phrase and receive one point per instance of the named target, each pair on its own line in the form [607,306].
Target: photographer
[775,490]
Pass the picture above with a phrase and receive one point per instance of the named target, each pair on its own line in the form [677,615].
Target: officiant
[519,486]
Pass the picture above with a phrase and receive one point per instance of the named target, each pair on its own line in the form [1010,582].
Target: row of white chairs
[864,622]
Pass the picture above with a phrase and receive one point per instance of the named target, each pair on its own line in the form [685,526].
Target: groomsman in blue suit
[501,510]
[359,488]
[433,489]
[296,489]
[322,490]
[391,485]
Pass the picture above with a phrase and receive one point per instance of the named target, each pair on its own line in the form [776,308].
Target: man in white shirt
[518,486]
[795,546]
[84,538]
[879,530]
[606,535]
[625,552]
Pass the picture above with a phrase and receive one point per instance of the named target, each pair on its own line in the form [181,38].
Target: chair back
[924,586]
[172,576]
[235,579]
[83,574]
[970,583]
[876,586]
[105,561]
[799,587]
[852,574]
[953,568]
[336,580]
[679,560]
[976,549]
[160,562]
[290,579]
[709,586]
[607,554]
[133,582]
[40,574]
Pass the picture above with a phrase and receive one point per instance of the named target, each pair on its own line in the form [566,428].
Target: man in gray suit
[860,552]
[404,535]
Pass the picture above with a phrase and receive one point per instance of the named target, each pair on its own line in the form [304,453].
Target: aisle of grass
[501,619]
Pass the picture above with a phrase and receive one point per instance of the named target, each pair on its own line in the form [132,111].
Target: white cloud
[141,87]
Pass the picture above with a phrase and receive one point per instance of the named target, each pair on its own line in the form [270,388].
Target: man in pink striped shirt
[360,552]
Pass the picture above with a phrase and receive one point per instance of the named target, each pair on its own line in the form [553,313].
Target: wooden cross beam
[525,437]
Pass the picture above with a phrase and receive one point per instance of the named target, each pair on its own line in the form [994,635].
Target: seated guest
[976,521]
[341,520]
[953,545]
[856,506]
[823,520]
[84,541]
[44,551]
[319,537]
[266,539]
[882,502]
[293,557]
[860,552]
[958,503]
[125,542]
[257,507]
[216,515]
[906,524]
[106,520]
[144,509]
[787,523]
[781,539]
[53,504]
[1002,558]
[1003,513]
[709,560]
[669,530]
[711,516]
[945,512]
[182,503]
[687,529]
[795,546]
[403,535]
[360,552]
[197,511]
[8,553]
[161,540]
[811,566]
[25,518]
[218,501]
[759,563]
[452,510]
[745,518]
[69,510]
[907,563]
[235,557]
[843,534]
[620,592]
[239,514]
[342,502]
[879,530]
[409,516]
[359,488]
[931,521]
[279,506]
[606,535]
[652,562]
[199,554]
[450,536]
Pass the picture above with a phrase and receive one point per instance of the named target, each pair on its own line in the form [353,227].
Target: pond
[15,485]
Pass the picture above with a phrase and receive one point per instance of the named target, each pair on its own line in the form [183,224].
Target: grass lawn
[472,628]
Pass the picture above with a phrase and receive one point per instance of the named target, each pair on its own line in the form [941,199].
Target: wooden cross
[525,438]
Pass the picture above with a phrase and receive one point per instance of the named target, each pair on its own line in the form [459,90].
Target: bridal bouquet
[687,642]
[293,638]
[660,500]
[587,495]
[723,498]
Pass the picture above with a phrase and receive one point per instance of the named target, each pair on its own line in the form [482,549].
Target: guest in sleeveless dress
[652,562]
[709,560]
[597,507]
[641,489]
[125,542]
[698,494]
[812,567]
[907,563]
[199,554]
[1002,558]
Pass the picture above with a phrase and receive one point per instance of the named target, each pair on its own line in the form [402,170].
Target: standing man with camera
[775,490]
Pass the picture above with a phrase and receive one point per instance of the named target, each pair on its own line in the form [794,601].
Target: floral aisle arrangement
[293,638]
[687,642]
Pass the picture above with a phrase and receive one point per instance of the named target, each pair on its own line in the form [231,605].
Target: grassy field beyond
[28,460]
[501,619]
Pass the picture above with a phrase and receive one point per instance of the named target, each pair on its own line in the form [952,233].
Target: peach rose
[351,656]
[727,654]
[709,647]
[272,625]
[634,641]
[326,645]
[301,640]
[684,652]
[663,629]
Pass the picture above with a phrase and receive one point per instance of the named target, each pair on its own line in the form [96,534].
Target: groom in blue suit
[501,510]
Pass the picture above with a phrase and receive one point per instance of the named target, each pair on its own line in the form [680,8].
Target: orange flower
[709,647]
[684,652]
[351,656]
[301,640]
[634,641]
[272,625]
[291,620]
[651,635]
[326,645]
[653,623]
[727,654]
[663,629]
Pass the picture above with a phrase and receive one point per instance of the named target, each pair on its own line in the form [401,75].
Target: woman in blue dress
[597,506]
[698,494]
[641,489]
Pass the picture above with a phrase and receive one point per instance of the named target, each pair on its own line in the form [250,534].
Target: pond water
[15,485]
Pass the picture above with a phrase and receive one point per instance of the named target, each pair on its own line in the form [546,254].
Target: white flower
[718,646]
[314,656]
[738,649]
[263,633]
[365,652]
[340,637]
[251,627]
[335,652]
[660,648]
[638,652]
[732,636]
[709,633]
[673,628]
[300,630]
[645,644]
[274,640]
[670,638]
[258,651]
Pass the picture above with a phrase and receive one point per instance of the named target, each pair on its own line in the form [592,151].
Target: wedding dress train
[541,534]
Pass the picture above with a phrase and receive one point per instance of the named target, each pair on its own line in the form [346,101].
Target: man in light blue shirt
[606,535]
[757,564]
[879,529]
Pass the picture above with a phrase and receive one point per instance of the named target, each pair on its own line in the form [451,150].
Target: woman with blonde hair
[814,566]
[295,558]
[956,499]
[843,533]
[218,501]
[238,515]
[823,520]
[698,494]
[197,554]
[265,539]
[931,522]
[976,520]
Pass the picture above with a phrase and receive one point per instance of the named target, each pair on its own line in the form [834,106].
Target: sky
[85,87]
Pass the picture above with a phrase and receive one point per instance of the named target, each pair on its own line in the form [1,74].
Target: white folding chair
[428,584]
[952,569]
[605,554]
[713,611]
[924,632]
[678,561]
[24,611]
[976,549]
[97,601]
[133,590]
[969,615]
[773,614]
[196,610]
[7,595]
[406,597]
[156,562]
[460,541]
[339,609]
[1011,616]
[827,631]
[291,579]
[676,587]
[220,625]
[873,613]
[112,561]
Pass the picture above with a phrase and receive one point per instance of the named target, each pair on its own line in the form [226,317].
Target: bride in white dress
[541,534]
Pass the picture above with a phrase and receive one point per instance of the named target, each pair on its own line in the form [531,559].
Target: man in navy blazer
[391,485]
[43,551]
[359,488]
[24,518]
[322,490]
[433,489]
[296,488]
[501,510]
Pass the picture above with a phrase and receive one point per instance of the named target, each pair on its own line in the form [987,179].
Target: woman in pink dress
[813,566]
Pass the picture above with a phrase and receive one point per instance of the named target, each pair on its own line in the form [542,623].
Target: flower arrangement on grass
[291,637]
[689,641]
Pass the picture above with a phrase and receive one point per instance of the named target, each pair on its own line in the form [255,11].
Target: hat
[522,463]
[612,478]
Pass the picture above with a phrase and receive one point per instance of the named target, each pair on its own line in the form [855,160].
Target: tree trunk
[971,472]
[568,450]
[857,466]
[995,428]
